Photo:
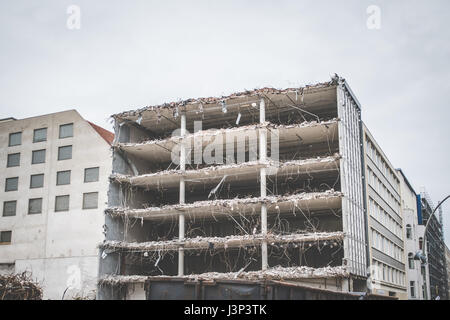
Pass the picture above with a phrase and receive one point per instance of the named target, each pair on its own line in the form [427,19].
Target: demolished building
[258,186]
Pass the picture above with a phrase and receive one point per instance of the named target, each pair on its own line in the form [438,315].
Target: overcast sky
[130,54]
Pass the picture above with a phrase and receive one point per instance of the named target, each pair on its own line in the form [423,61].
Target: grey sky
[130,54]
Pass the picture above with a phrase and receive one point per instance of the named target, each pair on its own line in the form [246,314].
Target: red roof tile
[105,134]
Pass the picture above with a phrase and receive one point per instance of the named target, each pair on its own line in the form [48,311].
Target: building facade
[416,270]
[435,247]
[296,216]
[53,191]
[384,221]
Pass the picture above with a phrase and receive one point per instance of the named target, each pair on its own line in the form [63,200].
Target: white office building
[385,222]
[53,191]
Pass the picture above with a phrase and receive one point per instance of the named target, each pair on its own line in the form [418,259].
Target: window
[388,274]
[66,130]
[90,200]
[91,174]
[15,139]
[13,160]
[12,184]
[412,287]
[35,206]
[373,270]
[380,242]
[62,203]
[62,177]
[388,247]
[65,153]
[420,243]
[37,181]
[38,156]
[40,135]
[5,237]
[9,208]
[411,260]
[408,231]
[380,270]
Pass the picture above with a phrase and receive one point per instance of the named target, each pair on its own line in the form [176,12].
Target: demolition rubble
[257,185]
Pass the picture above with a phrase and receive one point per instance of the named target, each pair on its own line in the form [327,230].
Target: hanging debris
[201,243]
[276,273]
[19,287]
[260,193]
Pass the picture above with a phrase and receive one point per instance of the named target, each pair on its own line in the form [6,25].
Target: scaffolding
[435,247]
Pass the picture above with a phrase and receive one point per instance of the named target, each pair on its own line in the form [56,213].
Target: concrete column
[263,157]
[181,221]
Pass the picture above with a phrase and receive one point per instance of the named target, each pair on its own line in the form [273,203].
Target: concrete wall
[58,247]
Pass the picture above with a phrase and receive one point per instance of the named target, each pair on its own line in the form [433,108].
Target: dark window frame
[68,204]
[15,208]
[98,174]
[31,180]
[64,125]
[9,139]
[84,200]
[412,288]
[6,184]
[29,206]
[409,231]
[34,135]
[71,152]
[63,171]
[2,242]
[33,152]
[411,264]
[8,165]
